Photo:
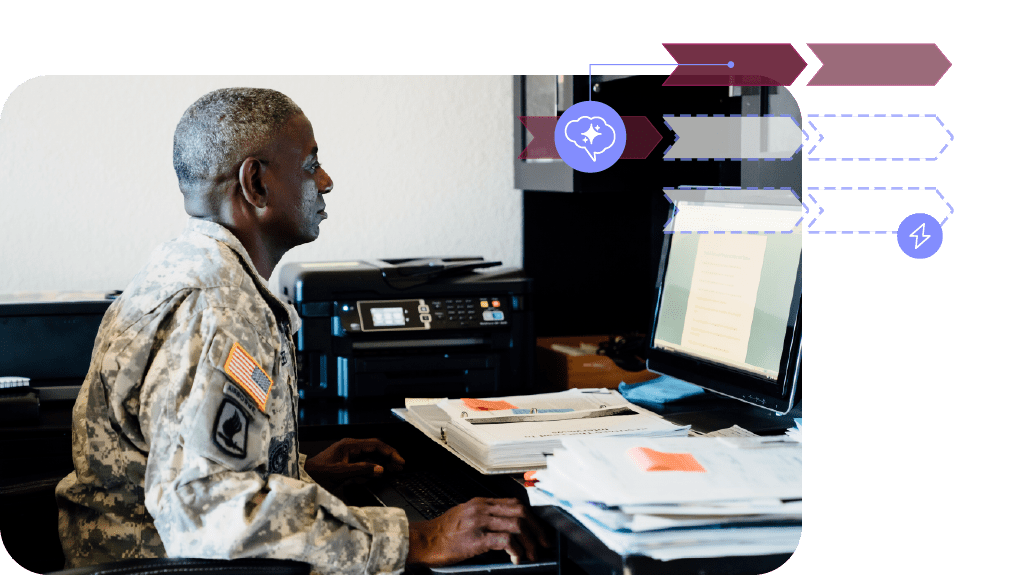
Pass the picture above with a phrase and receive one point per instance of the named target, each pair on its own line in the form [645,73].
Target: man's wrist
[418,543]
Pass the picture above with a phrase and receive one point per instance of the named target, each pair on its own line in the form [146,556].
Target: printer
[46,339]
[422,327]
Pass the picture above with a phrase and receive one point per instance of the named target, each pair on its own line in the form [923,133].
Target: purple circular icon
[919,236]
[590,136]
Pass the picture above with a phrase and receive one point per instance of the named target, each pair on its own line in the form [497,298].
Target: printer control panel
[421,314]
[469,312]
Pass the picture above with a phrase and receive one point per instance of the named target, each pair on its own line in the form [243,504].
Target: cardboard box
[568,371]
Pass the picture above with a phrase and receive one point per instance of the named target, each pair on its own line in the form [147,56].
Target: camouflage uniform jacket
[184,432]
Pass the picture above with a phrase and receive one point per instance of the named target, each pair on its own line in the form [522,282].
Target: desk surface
[46,446]
[43,452]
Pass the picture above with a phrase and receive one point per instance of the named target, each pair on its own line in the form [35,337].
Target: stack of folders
[513,434]
[796,433]
[679,497]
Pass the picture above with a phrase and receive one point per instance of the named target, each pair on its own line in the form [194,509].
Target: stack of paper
[796,433]
[509,434]
[676,497]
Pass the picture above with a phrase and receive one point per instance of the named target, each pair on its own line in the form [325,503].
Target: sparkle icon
[588,136]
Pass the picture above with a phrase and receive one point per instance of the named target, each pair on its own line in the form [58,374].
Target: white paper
[499,446]
[746,502]
[574,400]
[734,431]
[711,542]
[720,509]
[732,473]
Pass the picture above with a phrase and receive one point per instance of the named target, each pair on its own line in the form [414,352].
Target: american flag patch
[247,373]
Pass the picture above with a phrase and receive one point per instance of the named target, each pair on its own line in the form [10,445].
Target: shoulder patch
[244,370]
[279,456]
[231,432]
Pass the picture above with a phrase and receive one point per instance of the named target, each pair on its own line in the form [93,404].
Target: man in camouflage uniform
[184,433]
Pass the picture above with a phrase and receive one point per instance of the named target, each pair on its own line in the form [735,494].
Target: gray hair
[225,126]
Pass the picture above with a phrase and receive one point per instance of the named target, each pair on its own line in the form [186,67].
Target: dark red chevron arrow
[641,138]
[753,64]
[543,143]
[879,64]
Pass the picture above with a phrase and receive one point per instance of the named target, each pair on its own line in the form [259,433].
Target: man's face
[296,184]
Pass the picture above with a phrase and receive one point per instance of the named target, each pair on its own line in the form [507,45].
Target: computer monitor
[728,295]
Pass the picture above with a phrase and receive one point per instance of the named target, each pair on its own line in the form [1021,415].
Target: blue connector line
[822,137]
[590,72]
[877,188]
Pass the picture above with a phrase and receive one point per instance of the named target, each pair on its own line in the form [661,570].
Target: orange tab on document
[484,405]
[650,460]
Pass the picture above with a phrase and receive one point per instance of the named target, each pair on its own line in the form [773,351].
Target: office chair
[28,526]
[192,567]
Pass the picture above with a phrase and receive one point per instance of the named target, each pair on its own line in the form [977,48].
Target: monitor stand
[709,412]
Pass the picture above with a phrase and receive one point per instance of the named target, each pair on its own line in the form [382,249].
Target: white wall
[421,166]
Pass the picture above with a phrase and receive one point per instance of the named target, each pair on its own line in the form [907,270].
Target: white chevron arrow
[879,137]
[734,137]
[877,210]
[706,210]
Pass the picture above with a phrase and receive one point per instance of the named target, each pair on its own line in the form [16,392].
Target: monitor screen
[727,311]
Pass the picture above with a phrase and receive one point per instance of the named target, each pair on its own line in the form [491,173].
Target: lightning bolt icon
[918,241]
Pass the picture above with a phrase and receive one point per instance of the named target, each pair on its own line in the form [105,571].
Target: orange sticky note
[484,405]
[529,475]
[650,460]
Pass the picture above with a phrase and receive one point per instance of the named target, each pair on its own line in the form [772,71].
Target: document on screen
[723,295]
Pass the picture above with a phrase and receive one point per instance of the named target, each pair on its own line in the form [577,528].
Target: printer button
[424,309]
[425,318]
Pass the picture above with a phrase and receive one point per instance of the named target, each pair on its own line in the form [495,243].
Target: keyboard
[433,493]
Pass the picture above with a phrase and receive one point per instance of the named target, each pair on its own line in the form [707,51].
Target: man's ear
[250,176]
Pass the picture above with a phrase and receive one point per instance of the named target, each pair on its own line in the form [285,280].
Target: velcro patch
[279,456]
[242,368]
[231,432]
[234,392]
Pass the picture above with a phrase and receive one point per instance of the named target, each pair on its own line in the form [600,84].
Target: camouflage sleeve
[207,482]
[302,469]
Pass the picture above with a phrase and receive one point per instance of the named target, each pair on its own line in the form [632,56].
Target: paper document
[732,472]
[572,404]
[734,431]
[723,296]
[796,433]
[678,497]
[497,444]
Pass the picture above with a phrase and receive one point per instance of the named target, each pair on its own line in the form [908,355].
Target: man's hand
[474,527]
[352,458]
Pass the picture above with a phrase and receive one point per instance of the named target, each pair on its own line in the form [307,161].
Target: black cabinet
[591,242]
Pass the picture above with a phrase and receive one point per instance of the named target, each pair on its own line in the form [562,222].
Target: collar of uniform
[224,235]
